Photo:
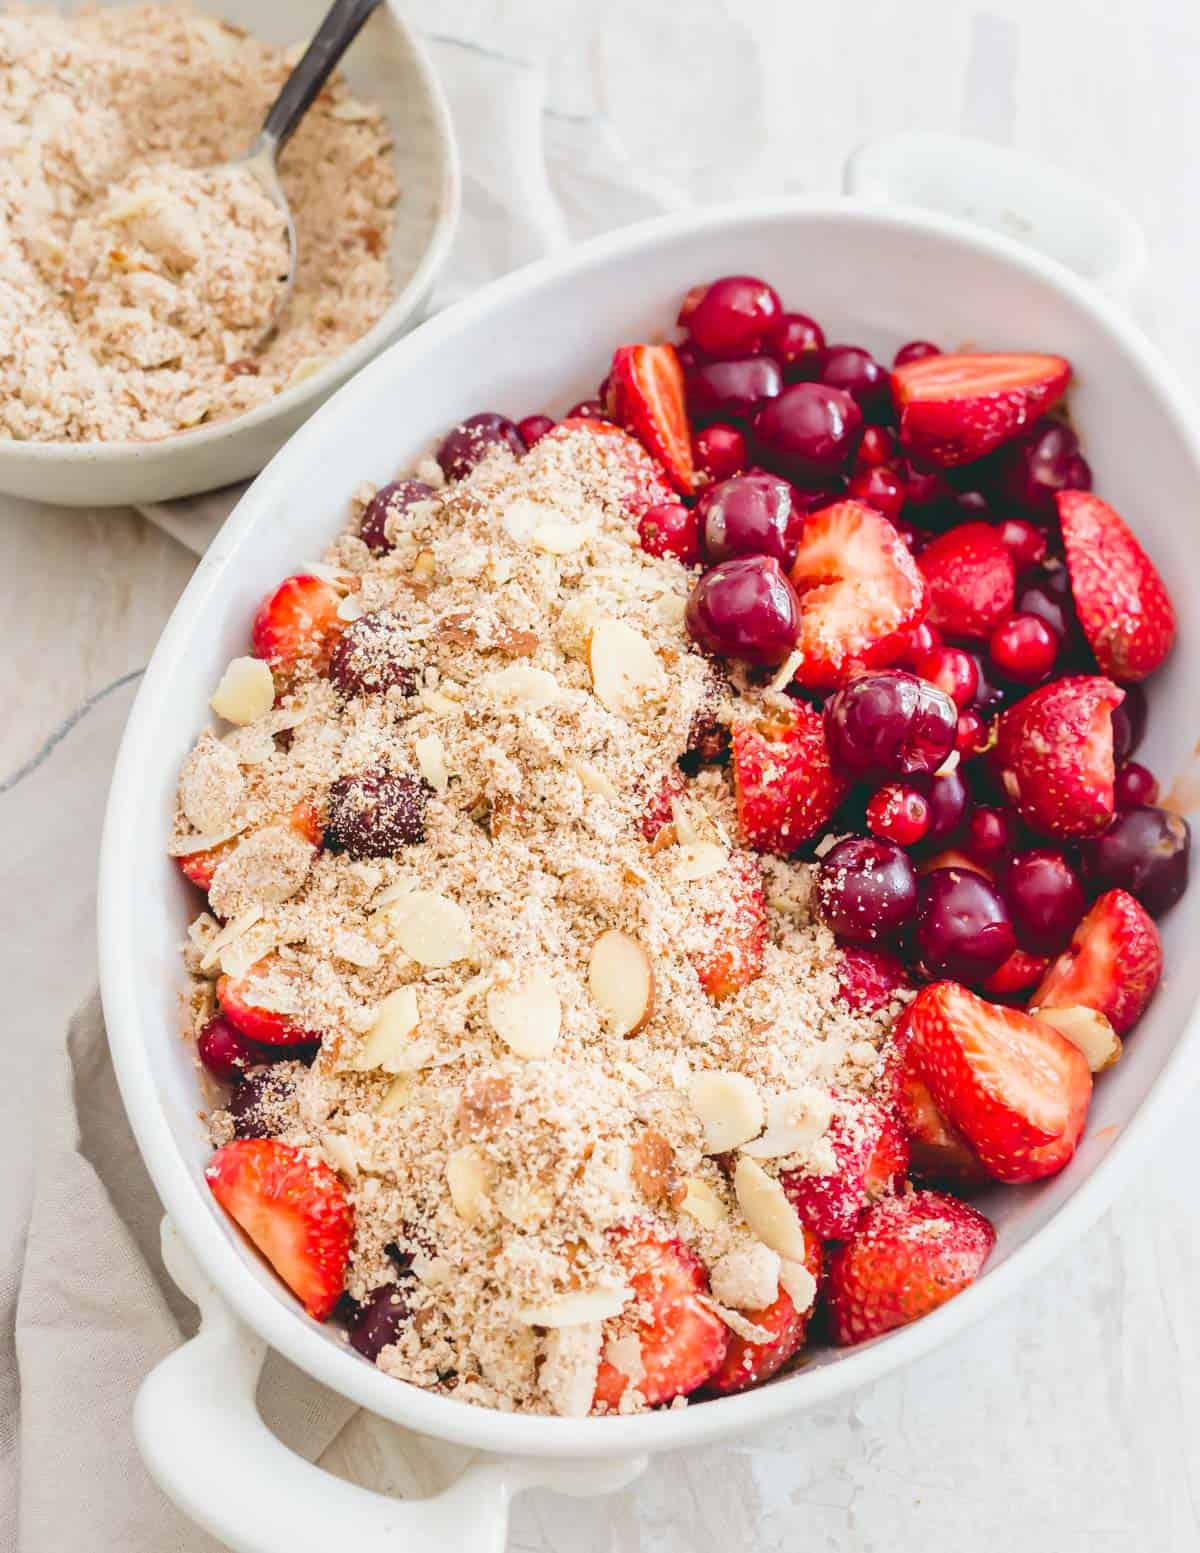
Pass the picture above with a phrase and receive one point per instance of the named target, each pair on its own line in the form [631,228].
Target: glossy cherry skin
[880,488]
[797,343]
[1045,461]
[856,370]
[898,813]
[375,814]
[534,427]
[379,1321]
[389,501]
[734,316]
[889,724]
[949,802]
[1026,543]
[809,433]
[867,890]
[915,350]
[972,735]
[990,836]
[1134,785]
[469,443]
[1129,723]
[745,608]
[1023,648]
[226,1052]
[751,514]
[720,451]
[670,528]
[1146,851]
[877,447]
[964,930]
[952,670]
[1045,900]
[733,390]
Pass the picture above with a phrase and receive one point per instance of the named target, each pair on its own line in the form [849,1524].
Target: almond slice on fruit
[246,691]
[431,928]
[625,669]
[739,1325]
[798,1283]
[699,859]
[621,979]
[231,931]
[767,1212]
[576,1309]
[729,1107]
[1088,1029]
[203,843]
[795,1121]
[389,1044]
[527,1016]
[703,1202]
[470,1178]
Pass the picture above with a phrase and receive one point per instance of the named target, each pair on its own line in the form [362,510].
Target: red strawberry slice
[646,485]
[200,867]
[1015,1088]
[683,1342]
[971,579]
[659,811]
[1113,964]
[954,409]
[869,979]
[1019,972]
[908,1256]
[298,624]
[783,780]
[747,1363]
[245,1002]
[737,933]
[861,592]
[1054,755]
[646,395]
[1120,598]
[938,1154]
[870,1151]
[294,1209]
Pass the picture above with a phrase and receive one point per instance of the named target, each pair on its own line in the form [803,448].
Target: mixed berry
[957,630]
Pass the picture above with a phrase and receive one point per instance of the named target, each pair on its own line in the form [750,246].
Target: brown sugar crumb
[494,1107]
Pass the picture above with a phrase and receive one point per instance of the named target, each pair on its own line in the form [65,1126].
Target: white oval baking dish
[541,338]
[387,65]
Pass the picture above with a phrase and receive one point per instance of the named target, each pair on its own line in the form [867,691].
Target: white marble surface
[1070,1421]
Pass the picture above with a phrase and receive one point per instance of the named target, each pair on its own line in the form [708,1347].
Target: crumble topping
[498,1090]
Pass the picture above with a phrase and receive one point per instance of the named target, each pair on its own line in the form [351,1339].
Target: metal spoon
[343,23]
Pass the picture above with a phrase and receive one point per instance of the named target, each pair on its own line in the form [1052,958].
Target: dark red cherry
[259,1104]
[379,1321]
[1045,461]
[751,514]
[870,386]
[809,433]
[732,390]
[745,608]
[899,813]
[720,451]
[879,488]
[867,890]
[877,447]
[390,502]
[469,443]
[915,350]
[963,927]
[1045,900]
[1023,648]
[990,836]
[375,814]
[1129,723]
[889,724]
[797,342]
[670,528]
[948,804]
[1026,543]
[375,654]
[1134,784]
[534,427]
[226,1052]
[734,316]
[1145,851]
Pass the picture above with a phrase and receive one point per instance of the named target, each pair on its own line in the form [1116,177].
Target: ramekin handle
[203,1441]
[1007,192]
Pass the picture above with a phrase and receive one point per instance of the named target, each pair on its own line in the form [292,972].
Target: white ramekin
[541,338]
[387,65]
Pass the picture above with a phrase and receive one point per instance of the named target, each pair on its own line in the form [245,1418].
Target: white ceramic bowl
[542,338]
[386,65]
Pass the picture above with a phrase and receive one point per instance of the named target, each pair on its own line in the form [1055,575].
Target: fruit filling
[662,860]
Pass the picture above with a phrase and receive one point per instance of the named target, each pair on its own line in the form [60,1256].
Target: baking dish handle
[203,1441]
[1007,192]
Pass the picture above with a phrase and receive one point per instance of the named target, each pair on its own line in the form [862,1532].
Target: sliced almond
[557,537]
[527,1016]
[703,1202]
[699,859]
[424,567]
[341,1154]
[1088,1029]
[795,1121]
[231,931]
[389,1043]
[797,1282]
[626,671]
[634,1077]
[786,671]
[729,1107]
[351,607]
[431,761]
[524,1203]
[430,927]
[246,691]
[621,979]
[767,1212]
[592,779]
[469,1177]
[740,1325]
[522,687]
[203,843]
[434,701]
[396,1096]
[577,1308]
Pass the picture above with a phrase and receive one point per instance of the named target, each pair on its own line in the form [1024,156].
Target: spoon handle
[336,33]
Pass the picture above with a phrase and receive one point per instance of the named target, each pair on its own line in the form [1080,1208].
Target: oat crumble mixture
[479,1089]
[136,279]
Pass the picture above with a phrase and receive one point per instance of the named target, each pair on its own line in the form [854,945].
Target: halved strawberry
[646,485]
[682,1341]
[861,593]
[747,1363]
[1054,755]
[1016,1089]
[294,1209]
[245,1001]
[783,780]
[200,867]
[646,394]
[972,580]
[737,933]
[938,1154]
[1113,964]
[1018,973]
[870,1151]
[908,1256]
[956,408]
[1120,598]
[298,624]
[869,979]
